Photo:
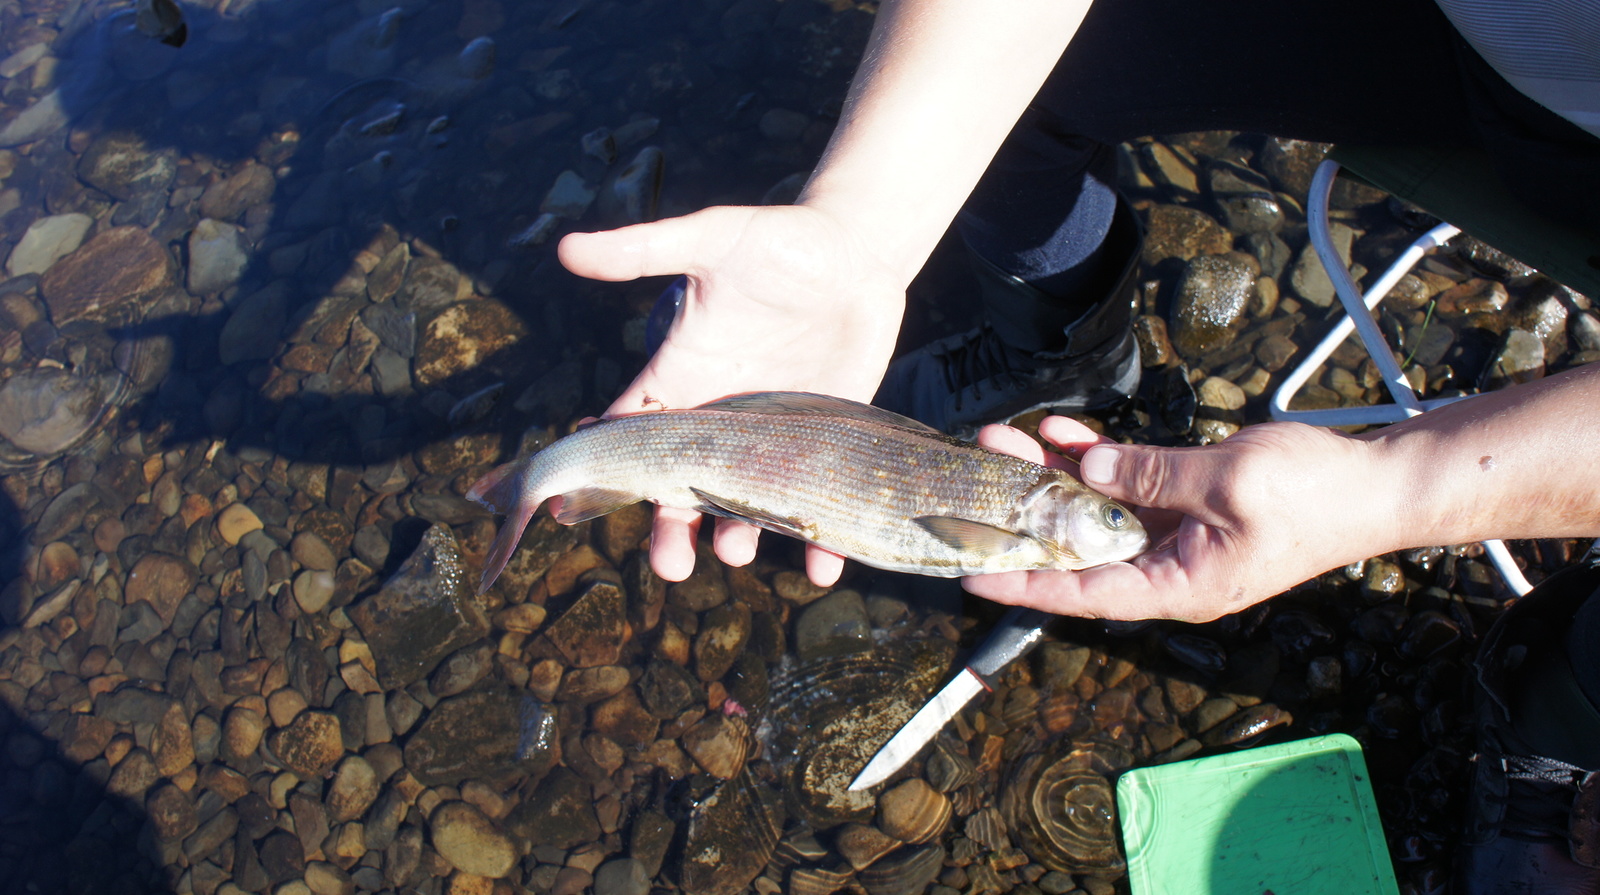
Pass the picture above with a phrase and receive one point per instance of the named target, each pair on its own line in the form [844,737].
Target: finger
[1169,478]
[1152,586]
[627,253]
[1071,436]
[735,541]
[823,567]
[672,543]
[1007,440]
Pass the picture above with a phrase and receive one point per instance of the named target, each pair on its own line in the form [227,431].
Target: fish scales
[851,484]
[822,471]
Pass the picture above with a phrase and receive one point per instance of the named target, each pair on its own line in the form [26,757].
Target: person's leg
[1042,223]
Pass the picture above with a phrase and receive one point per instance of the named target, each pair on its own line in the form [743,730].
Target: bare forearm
[1520,463]
[941,84]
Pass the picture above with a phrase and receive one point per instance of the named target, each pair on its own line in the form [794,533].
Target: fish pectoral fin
[588,503]
[967,535]
[713,505]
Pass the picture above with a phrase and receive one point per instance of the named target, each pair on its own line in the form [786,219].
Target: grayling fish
[868,484]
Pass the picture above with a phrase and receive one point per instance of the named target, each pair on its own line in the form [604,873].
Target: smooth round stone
[46,410]
[1212,297]
[228,199]
[622,876]
[313,552]
[313,590]
[235,521]
[1214,391]
[355,788]
[470,841]
[323,878]
[913,811]
[834,625]
[171,812]
[310,745]
[251,332]
[121,165]
[477,58]
[47,241]
[217,256]
[242,730]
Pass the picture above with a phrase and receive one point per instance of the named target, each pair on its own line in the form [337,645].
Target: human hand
[778,298]
[1231,524]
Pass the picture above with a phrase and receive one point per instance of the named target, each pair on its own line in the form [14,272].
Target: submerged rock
[484,734]
[425,612]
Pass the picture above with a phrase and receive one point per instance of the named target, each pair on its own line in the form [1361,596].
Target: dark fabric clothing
[1362,71]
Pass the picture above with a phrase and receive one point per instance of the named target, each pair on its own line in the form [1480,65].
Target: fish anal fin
[732,509]
[588,503]
[970,536]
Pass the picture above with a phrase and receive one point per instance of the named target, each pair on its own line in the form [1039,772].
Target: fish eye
[1113,515]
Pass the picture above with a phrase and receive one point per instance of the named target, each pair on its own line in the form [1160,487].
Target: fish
[866,483]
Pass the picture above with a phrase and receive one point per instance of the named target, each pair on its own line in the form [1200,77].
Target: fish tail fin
[502,491]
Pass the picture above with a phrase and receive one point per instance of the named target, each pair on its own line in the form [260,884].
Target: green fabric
[1460,186]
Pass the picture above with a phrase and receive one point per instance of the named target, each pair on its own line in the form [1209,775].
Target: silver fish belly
[860,481]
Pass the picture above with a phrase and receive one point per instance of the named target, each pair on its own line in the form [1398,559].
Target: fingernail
[1099,466]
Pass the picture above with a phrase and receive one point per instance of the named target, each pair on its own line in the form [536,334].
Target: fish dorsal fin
[732,509]
[974,537]
[811,403]
[587,503]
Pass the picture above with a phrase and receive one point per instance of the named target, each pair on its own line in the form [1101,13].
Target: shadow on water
[383,165]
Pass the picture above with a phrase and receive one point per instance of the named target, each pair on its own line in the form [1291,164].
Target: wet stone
[464,337]
[423,613]
[722,638]
[834,625]
[462,669]
[471,842]
[718,744]
[64,514]
[483,734]
[1173,231]
[46,241]
[1211,301]
[594,629]
[171,812]
[1521,359]
[46,411]
[702,590]
[103,279]
[560,813]
[217,256]
[310,746]
[1309,278]
[122,166]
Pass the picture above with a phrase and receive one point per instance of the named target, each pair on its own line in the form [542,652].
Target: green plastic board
[1289,819]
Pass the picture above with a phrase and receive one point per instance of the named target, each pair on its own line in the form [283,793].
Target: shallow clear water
[276,297]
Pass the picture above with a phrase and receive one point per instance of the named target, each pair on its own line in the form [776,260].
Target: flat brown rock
[310,746]
[101,280]
[162,581]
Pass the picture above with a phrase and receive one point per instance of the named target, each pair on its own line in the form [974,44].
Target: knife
[1014,637]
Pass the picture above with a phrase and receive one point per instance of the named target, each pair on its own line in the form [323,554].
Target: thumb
[658,248]
[1143,475]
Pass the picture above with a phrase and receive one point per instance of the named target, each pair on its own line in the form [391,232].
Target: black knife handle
[1014,637]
